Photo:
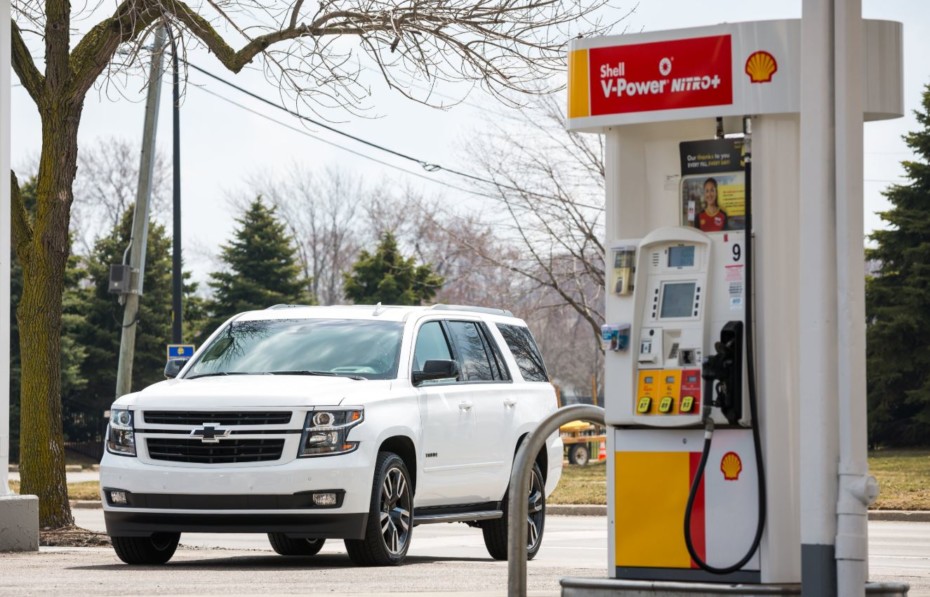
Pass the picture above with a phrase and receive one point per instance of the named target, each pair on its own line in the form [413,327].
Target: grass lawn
[86,490]
[903,476]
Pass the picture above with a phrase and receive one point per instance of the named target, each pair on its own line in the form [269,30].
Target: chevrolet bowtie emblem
[210,433]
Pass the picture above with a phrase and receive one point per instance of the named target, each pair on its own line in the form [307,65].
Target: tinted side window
[499,367]
[431,345]
[525,351]
[477,365]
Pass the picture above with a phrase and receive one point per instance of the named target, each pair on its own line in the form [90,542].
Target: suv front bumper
[252,499]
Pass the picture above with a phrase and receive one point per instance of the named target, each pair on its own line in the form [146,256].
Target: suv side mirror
[173,367]
[436,369]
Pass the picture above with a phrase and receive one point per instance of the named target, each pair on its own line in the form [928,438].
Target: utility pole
[140,221]
[176,274]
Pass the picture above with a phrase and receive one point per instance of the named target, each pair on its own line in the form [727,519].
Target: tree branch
[95,51]
[25,67]
[231,59]
[57,44]
[21,224]
[295,13]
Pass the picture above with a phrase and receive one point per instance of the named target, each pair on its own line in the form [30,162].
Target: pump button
[666,404]
[687,404]
[643,406]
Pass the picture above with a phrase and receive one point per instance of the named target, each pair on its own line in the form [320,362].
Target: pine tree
[262,269]
[898,305]
[101,331]
[388,277]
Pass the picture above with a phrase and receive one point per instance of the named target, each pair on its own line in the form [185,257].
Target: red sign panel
[667,75]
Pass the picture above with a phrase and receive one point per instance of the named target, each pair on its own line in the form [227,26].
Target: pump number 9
[737,251]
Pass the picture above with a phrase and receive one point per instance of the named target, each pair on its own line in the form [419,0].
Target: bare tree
[443,237]
[321,212]
[306,48]
[550,186]
[105,188]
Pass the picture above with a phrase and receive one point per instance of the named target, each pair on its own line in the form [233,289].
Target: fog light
[118,497]
[324,499]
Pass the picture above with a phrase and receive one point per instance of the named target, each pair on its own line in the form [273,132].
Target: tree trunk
[42,460]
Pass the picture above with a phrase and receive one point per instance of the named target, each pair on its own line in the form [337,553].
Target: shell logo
[731,466]
[760,66]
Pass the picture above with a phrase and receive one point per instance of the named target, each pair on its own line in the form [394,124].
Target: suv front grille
[227,451]
[170,417]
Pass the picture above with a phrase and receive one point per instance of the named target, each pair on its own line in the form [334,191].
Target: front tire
[287,546]
[153,550]
[390,516]
[495,531]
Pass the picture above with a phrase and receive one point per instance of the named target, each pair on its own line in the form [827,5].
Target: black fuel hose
[753,408]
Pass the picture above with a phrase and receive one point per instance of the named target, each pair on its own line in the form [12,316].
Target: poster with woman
[713,190]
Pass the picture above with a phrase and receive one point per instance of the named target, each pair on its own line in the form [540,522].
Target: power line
[336,145]
[428,166]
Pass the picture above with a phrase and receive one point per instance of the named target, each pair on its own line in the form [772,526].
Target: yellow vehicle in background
[582,440]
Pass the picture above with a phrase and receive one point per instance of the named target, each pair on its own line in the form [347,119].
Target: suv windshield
[345,347]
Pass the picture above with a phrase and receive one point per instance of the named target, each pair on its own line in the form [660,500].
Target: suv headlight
[121,439]
[326,430]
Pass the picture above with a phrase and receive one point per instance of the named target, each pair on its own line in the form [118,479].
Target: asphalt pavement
[447,559]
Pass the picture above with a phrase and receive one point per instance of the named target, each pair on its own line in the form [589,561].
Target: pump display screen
[681,256]
[677,299]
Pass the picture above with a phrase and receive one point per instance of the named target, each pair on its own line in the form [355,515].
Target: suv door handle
[510,402]
[465,405]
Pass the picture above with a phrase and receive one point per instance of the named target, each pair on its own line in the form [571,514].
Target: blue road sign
[180,351]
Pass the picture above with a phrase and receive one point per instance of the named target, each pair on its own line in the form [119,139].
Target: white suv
[309,423]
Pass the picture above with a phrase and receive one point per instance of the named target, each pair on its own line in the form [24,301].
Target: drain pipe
[520,487]
[856,488]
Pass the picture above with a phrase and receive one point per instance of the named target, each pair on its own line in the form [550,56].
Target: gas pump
[687,308]
[703,297]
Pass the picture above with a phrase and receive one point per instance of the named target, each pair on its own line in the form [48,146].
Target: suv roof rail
[491,310]
[286,306]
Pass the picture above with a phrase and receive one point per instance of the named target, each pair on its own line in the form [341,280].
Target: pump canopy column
[707,307]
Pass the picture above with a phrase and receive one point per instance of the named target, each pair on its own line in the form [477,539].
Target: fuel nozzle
[723,374]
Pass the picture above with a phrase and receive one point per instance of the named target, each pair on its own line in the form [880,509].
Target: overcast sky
[224,144]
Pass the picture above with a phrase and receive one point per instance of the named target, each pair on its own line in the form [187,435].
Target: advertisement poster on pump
[713,185]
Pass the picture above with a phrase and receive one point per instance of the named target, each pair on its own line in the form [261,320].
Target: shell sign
[760,66]
[731,466]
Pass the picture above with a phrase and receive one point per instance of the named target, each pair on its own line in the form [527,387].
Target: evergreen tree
[262,269]
[388,277]
[898,305]
[101,331]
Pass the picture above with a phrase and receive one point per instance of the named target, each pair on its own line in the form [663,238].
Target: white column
[817,264]
[19,514]
[856,489]
[5,244]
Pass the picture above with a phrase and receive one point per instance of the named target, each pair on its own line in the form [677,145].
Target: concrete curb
[576,510]
[596,510]
[878,515]
[900,515]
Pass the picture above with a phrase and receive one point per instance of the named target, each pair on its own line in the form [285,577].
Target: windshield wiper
[217,373]
[322,373]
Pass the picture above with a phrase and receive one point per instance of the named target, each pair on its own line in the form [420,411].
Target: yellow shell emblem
[731,466]
[760,66]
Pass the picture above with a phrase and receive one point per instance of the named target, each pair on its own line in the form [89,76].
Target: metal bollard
[520,487]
